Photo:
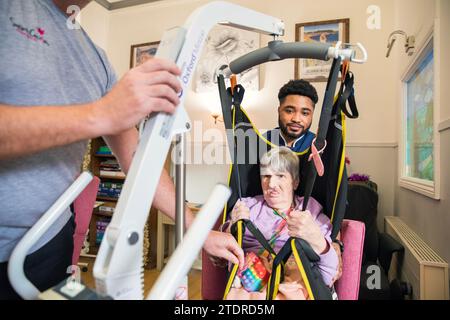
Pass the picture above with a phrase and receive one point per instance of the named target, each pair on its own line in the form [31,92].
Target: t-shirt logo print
[36,34]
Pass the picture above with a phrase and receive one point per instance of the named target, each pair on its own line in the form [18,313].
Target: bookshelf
[105,203]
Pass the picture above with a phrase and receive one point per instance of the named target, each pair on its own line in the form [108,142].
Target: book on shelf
[101,226]
[110,185]
[110,189]
[111,174]
[106,209]
[110,196]
[111,168]
[110,163]
[104,150]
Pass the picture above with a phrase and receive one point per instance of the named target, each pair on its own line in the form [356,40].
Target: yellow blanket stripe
[224,215]
[236,266]
[301,269]
[268,287]
[277,282]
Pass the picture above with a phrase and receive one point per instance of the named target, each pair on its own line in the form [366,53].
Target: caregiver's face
[278,188]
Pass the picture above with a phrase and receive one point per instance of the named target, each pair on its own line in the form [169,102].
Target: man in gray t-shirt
[57,90]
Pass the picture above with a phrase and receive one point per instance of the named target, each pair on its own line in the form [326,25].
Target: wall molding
[372,145]
[122,4]
[444,125]
[104,3]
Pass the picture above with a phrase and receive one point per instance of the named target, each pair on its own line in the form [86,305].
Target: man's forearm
[26,130]
[151,87]
[123,146]
[165,199]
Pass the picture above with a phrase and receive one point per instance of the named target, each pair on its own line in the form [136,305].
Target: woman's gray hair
[281,159]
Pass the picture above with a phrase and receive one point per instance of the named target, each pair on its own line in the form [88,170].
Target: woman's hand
[240,211]
[302,225]
[338,275]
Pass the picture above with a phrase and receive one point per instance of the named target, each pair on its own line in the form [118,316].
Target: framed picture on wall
[142,52]
[329,31]
[223,45]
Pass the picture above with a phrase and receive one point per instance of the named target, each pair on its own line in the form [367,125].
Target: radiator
[420,265]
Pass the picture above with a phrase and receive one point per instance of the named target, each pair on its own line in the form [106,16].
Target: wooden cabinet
[166,231]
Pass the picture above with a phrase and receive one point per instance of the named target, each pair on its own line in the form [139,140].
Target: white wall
[428,217]
[95,21]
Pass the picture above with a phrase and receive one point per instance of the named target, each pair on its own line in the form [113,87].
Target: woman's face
[278,188]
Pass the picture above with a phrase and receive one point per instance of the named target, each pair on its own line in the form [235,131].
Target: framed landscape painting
[330,31]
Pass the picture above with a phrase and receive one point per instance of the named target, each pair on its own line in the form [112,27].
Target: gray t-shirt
[43,62]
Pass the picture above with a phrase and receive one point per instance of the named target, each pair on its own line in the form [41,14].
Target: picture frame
[142,52]
[328,31]
[223,45]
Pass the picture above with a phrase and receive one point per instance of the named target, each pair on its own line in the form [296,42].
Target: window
[419,121]
[419,154]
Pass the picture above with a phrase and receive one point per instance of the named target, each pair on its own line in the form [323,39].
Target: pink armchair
[83,207]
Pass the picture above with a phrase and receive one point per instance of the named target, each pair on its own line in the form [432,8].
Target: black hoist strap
[238,94]
[347,94]
[226,102]
[229,97]
[325,117]
[256,233]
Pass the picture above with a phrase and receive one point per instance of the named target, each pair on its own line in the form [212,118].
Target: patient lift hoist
[118,265]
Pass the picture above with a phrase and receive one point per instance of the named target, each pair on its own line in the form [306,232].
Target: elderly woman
[277,214]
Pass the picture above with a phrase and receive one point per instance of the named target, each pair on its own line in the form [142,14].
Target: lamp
[216,117]
[409,42]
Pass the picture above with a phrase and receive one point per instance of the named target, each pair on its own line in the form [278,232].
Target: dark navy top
[300,145]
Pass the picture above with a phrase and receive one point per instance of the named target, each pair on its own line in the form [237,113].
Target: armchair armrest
[387,246]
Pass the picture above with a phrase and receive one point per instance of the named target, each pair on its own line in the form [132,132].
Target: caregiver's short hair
[281,159]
